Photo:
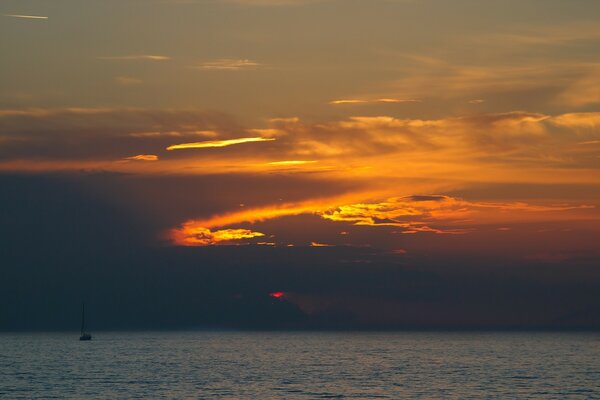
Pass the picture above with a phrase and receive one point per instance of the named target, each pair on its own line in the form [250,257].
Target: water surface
[230,365]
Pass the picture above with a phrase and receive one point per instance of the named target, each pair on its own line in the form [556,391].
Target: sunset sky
[358,136]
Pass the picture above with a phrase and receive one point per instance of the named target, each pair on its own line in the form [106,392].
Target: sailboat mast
[82,317]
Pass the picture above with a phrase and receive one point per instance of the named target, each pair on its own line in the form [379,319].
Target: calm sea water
[192,365]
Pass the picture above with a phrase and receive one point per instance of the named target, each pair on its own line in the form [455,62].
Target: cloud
[414,212]
[70,135]
[589,120]
[436,214]
[84,217]
[25,16]
[590,142]
[374,101]
[550,35]
[228,64]
[583,89]
[128,81]
[200,236]
[218,143]
[143,157]
[268,3]
[259,3]
[512,147]
[289,163]
[316,244]
[426,198]
[518,145]
[157,134]
[137,57]
[504,78]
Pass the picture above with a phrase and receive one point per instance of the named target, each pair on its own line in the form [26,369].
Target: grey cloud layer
[515,137]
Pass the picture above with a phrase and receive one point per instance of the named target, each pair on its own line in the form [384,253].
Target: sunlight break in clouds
[217,143]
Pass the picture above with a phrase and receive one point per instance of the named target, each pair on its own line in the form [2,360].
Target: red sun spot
[277,295]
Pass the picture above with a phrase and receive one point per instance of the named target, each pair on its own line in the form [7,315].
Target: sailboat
[84,334]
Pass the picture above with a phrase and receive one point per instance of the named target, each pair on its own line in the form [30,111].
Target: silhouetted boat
[84,334]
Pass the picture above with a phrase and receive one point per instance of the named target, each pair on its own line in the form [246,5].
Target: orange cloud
[191,228]
[218,143]
[290,163]
[411,214]
[316,244]
[137,57]
[362,101]
[377,151]
[192,235]
[143,157]
[414,212]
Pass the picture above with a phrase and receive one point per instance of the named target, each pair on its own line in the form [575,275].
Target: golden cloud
[143,157]
[495,147]
[435,214]
[190,235]
[317,244]
[373,101]
[289,163]
[218,143]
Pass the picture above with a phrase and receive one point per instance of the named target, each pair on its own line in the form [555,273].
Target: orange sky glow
[436,133]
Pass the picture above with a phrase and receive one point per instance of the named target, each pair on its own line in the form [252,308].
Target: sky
[381,163]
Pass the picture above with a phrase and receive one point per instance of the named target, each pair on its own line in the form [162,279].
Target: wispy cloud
[25,16]
[128,81]
[268,3]
[372,101]
[290,163]
[317,244]
[217,143]
[137,57]
[590,142]
[228,64]
[545,146]
[143,157]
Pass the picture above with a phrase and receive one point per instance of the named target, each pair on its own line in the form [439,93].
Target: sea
[300,365]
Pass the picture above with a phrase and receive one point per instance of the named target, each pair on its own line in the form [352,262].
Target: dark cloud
[62,243]
[99,133]
[80,135]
